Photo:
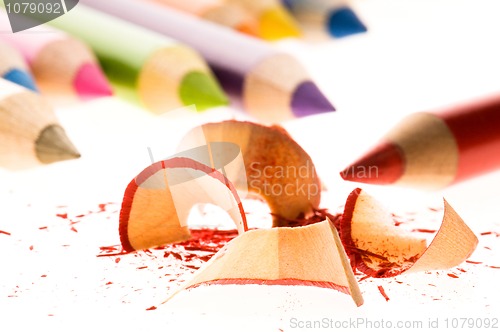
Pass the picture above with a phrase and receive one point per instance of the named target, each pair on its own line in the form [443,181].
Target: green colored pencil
[156,71]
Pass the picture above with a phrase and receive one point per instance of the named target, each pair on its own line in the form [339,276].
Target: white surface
[418,55]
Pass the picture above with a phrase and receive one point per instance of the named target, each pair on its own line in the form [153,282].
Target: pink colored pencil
[62,65]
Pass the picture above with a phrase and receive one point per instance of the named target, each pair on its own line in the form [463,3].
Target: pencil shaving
[306,256]
[157,202]
[379,249]
[275,166]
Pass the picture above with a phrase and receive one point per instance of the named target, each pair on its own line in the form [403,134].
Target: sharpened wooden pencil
[336,17]
[30,133]
[274,86]
[13,67]
[274,20]
[161,73]
[435,149]
[62,65]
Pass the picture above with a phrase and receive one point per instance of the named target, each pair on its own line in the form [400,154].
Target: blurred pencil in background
[334,16]
[217,11]
[30,133]
[274,20]
[157,72]
[273,86]
[62,65]
[13,67]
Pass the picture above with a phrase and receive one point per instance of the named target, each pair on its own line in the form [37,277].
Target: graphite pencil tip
[344,22]
[307,100]
[202,90]
[384,164]
[22,78]
[90,82]
[53,145]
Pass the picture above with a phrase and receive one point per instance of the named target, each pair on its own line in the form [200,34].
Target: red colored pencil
[435,149]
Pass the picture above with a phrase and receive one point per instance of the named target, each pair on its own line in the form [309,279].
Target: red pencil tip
[90,82]
[384,164]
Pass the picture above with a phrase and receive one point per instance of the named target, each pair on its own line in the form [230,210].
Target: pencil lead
[277,23]
[22,78]
[384,164]
[202,90]
[53,145]
[90,82]
[344,22]
[307,100]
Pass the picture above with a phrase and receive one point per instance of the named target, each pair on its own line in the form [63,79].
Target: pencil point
[53,145]
[307,100]
[344,22]
[277,23]
[384,164]
[201,90]
[90,82]
[22,78]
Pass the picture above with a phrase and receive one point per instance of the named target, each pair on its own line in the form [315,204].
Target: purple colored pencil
[273,85]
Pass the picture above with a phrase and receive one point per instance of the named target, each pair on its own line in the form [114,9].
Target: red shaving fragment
[31,247]
[151,308]
[43,227]
[62,215]
[117,260]
[382,291]
[109,283]
[142,267]
[423,230]
[461,270]
[493,267]
[74,229]
[102,207]
[452,275]
[490,233]
[43,276]
[473,262]
[4,232]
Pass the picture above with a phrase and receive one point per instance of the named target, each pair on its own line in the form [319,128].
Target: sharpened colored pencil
[435,149]
[336,16]
[217,11]
[13,67]
[62,65]
[30,133]
[274,20]
[162,73]
[274,86]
